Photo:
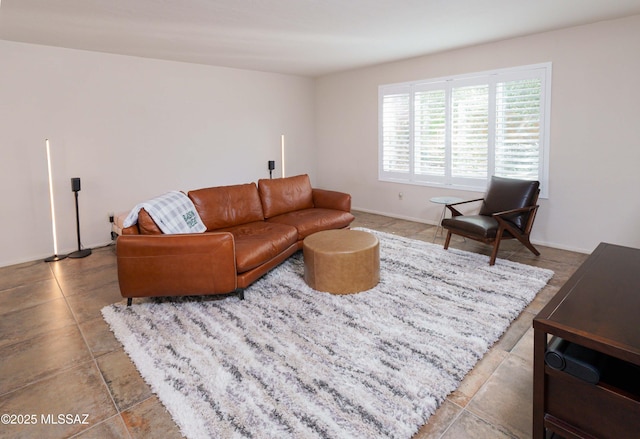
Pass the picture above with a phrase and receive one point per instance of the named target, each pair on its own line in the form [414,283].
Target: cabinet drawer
[591,408]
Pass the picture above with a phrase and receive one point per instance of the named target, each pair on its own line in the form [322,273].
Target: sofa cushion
[309,221]
[259,242]
[283,195]
[146,224]
[227,206]
[478,225]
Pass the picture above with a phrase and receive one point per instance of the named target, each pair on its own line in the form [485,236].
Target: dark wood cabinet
[597,309]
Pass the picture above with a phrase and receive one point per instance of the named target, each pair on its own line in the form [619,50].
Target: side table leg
[439,226]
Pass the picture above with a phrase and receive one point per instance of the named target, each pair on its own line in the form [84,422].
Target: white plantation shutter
[396,135]
[517,143]
[469,131]
[459,131]
[430,128]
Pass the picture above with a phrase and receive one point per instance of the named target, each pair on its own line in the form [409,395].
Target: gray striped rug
[291,362]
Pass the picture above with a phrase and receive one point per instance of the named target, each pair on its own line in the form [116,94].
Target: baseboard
[43,256]
[402,217]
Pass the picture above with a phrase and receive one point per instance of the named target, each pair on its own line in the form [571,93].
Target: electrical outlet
[110,217]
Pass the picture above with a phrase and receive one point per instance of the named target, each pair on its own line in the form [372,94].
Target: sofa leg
[240,293]
[129,301]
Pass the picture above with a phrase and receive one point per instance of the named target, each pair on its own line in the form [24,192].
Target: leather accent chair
[508,210]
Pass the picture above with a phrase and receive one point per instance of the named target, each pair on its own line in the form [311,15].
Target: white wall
[595,133]
[131,129]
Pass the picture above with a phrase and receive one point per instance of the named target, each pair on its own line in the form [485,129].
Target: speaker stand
[80,253]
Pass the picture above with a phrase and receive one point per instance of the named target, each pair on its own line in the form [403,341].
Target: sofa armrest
[331,200]
[176,265]
[131,230]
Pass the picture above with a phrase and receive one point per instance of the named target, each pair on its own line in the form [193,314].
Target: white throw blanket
[173,212]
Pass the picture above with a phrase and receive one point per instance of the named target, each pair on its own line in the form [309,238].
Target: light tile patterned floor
[58,356]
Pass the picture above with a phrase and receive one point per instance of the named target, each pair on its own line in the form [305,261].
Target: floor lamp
[282,153]
[80,253]
[56,256]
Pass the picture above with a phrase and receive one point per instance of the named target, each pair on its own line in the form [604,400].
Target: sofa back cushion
[227,206]
[146,224]
[283,195]
[506,194]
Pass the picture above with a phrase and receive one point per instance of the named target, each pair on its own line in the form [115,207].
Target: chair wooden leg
[494,253]
[496,245]
[446,241]
[523,238]
[528,245]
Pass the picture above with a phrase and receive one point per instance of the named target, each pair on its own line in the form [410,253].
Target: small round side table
[444,201]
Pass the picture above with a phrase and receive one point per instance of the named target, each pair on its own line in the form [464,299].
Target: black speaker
[75,184]
[272,166]
[576,360]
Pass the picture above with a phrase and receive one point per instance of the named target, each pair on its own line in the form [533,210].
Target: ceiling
[301,37]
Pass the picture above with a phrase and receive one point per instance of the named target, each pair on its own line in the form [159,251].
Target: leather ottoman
[341,261]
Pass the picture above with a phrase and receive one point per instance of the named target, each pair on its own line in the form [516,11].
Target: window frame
[542,71]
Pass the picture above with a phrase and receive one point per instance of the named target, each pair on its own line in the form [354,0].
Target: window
[459,131]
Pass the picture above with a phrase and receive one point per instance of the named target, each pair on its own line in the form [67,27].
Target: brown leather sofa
[250,230]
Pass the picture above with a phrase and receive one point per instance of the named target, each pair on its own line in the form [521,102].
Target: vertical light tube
[55,256]
[282,152]
[53,209]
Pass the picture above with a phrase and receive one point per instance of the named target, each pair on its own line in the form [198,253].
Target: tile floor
[58,356]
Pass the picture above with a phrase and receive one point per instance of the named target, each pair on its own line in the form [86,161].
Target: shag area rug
[291,362]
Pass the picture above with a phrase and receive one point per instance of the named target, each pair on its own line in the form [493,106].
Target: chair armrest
[509,225]
[176,265]
[456,212]
[327,199]
[512,211]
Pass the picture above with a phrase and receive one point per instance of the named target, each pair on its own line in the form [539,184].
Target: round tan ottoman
[341,261]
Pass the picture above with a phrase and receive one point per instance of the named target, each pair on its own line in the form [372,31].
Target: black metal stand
[80,253]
